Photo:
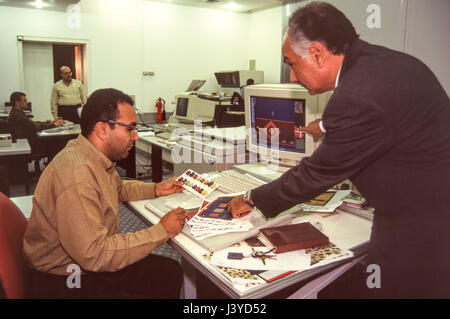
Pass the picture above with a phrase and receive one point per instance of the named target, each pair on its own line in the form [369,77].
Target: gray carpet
[129,223]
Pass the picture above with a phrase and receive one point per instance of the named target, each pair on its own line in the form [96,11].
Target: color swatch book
[197,184]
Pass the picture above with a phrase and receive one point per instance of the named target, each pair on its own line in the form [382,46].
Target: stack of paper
[326,202]
[213,218]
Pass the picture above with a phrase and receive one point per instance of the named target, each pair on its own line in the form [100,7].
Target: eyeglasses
[131,128]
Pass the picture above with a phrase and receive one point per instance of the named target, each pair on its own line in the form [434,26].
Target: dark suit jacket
[388,131]
[22,127]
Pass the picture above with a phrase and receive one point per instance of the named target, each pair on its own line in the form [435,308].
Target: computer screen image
[278,121]
[274,117]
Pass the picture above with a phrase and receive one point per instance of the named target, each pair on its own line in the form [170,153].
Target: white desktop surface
[349,231]
[62,130]
[19,148]
[25,204]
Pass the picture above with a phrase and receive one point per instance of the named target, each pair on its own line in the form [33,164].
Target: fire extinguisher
[161,109]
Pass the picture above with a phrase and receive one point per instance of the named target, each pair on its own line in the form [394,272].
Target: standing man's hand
[238,208]
[168,187]
[173,221]
[314,129]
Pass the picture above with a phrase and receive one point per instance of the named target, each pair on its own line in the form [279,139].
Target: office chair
[12,265]
[29,159]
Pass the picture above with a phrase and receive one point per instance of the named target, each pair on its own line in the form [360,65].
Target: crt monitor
[274,115]
[190,107]
[238,79]
[182,106]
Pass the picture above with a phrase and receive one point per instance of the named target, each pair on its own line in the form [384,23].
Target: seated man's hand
[313,128]
[173,221]
[169,187]
[238,208]
[59,121]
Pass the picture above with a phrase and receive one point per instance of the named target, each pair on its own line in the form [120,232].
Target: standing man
[22,127]
[75,218]
[67,96]
[387,130]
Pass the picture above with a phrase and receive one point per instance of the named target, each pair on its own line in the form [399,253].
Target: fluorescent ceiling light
[39,4]
[231,6]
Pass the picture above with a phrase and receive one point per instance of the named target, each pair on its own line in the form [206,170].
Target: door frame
[85,48]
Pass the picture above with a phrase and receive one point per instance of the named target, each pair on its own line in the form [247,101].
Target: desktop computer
[190,108]
[274,117]
[239,79]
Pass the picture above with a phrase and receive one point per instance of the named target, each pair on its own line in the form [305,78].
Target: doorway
[41,61]
[67,55]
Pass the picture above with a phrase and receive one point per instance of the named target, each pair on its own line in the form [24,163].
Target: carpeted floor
[129,223]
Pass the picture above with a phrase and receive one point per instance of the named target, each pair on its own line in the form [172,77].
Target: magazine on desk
[159,206]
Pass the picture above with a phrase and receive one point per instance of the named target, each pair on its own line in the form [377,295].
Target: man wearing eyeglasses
[75,216]
[67,96]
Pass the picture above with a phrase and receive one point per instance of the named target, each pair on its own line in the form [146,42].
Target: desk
[192,257]
[21,147]
[160,151]
[56,141]
[25,204]
[14,158]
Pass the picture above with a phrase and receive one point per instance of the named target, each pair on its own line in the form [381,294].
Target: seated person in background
[74,223]
[22,127]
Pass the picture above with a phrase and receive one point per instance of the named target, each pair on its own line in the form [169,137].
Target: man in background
[22,127]
[67,96]
[75,216]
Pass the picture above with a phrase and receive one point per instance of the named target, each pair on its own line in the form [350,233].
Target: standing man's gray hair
[320,21]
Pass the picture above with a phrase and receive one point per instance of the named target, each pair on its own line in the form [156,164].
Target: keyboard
[234,182]
[165,135]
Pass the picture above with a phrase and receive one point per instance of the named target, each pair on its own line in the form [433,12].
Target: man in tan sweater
[75,216]
[67,96]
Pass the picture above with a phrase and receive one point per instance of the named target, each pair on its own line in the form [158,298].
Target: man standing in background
[67,96]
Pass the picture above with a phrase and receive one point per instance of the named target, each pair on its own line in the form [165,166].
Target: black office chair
[35,156]
[4,127]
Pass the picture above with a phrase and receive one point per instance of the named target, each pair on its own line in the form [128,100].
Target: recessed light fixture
[231,6]
[39,4]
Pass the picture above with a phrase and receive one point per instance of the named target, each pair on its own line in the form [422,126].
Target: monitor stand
[280,165]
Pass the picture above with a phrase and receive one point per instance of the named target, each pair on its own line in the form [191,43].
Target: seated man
[22,127]
[74,223]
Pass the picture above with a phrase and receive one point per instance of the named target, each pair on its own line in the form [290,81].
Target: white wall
[114,30]
[417,27]
[427,27]
[183,43]
[265,39]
